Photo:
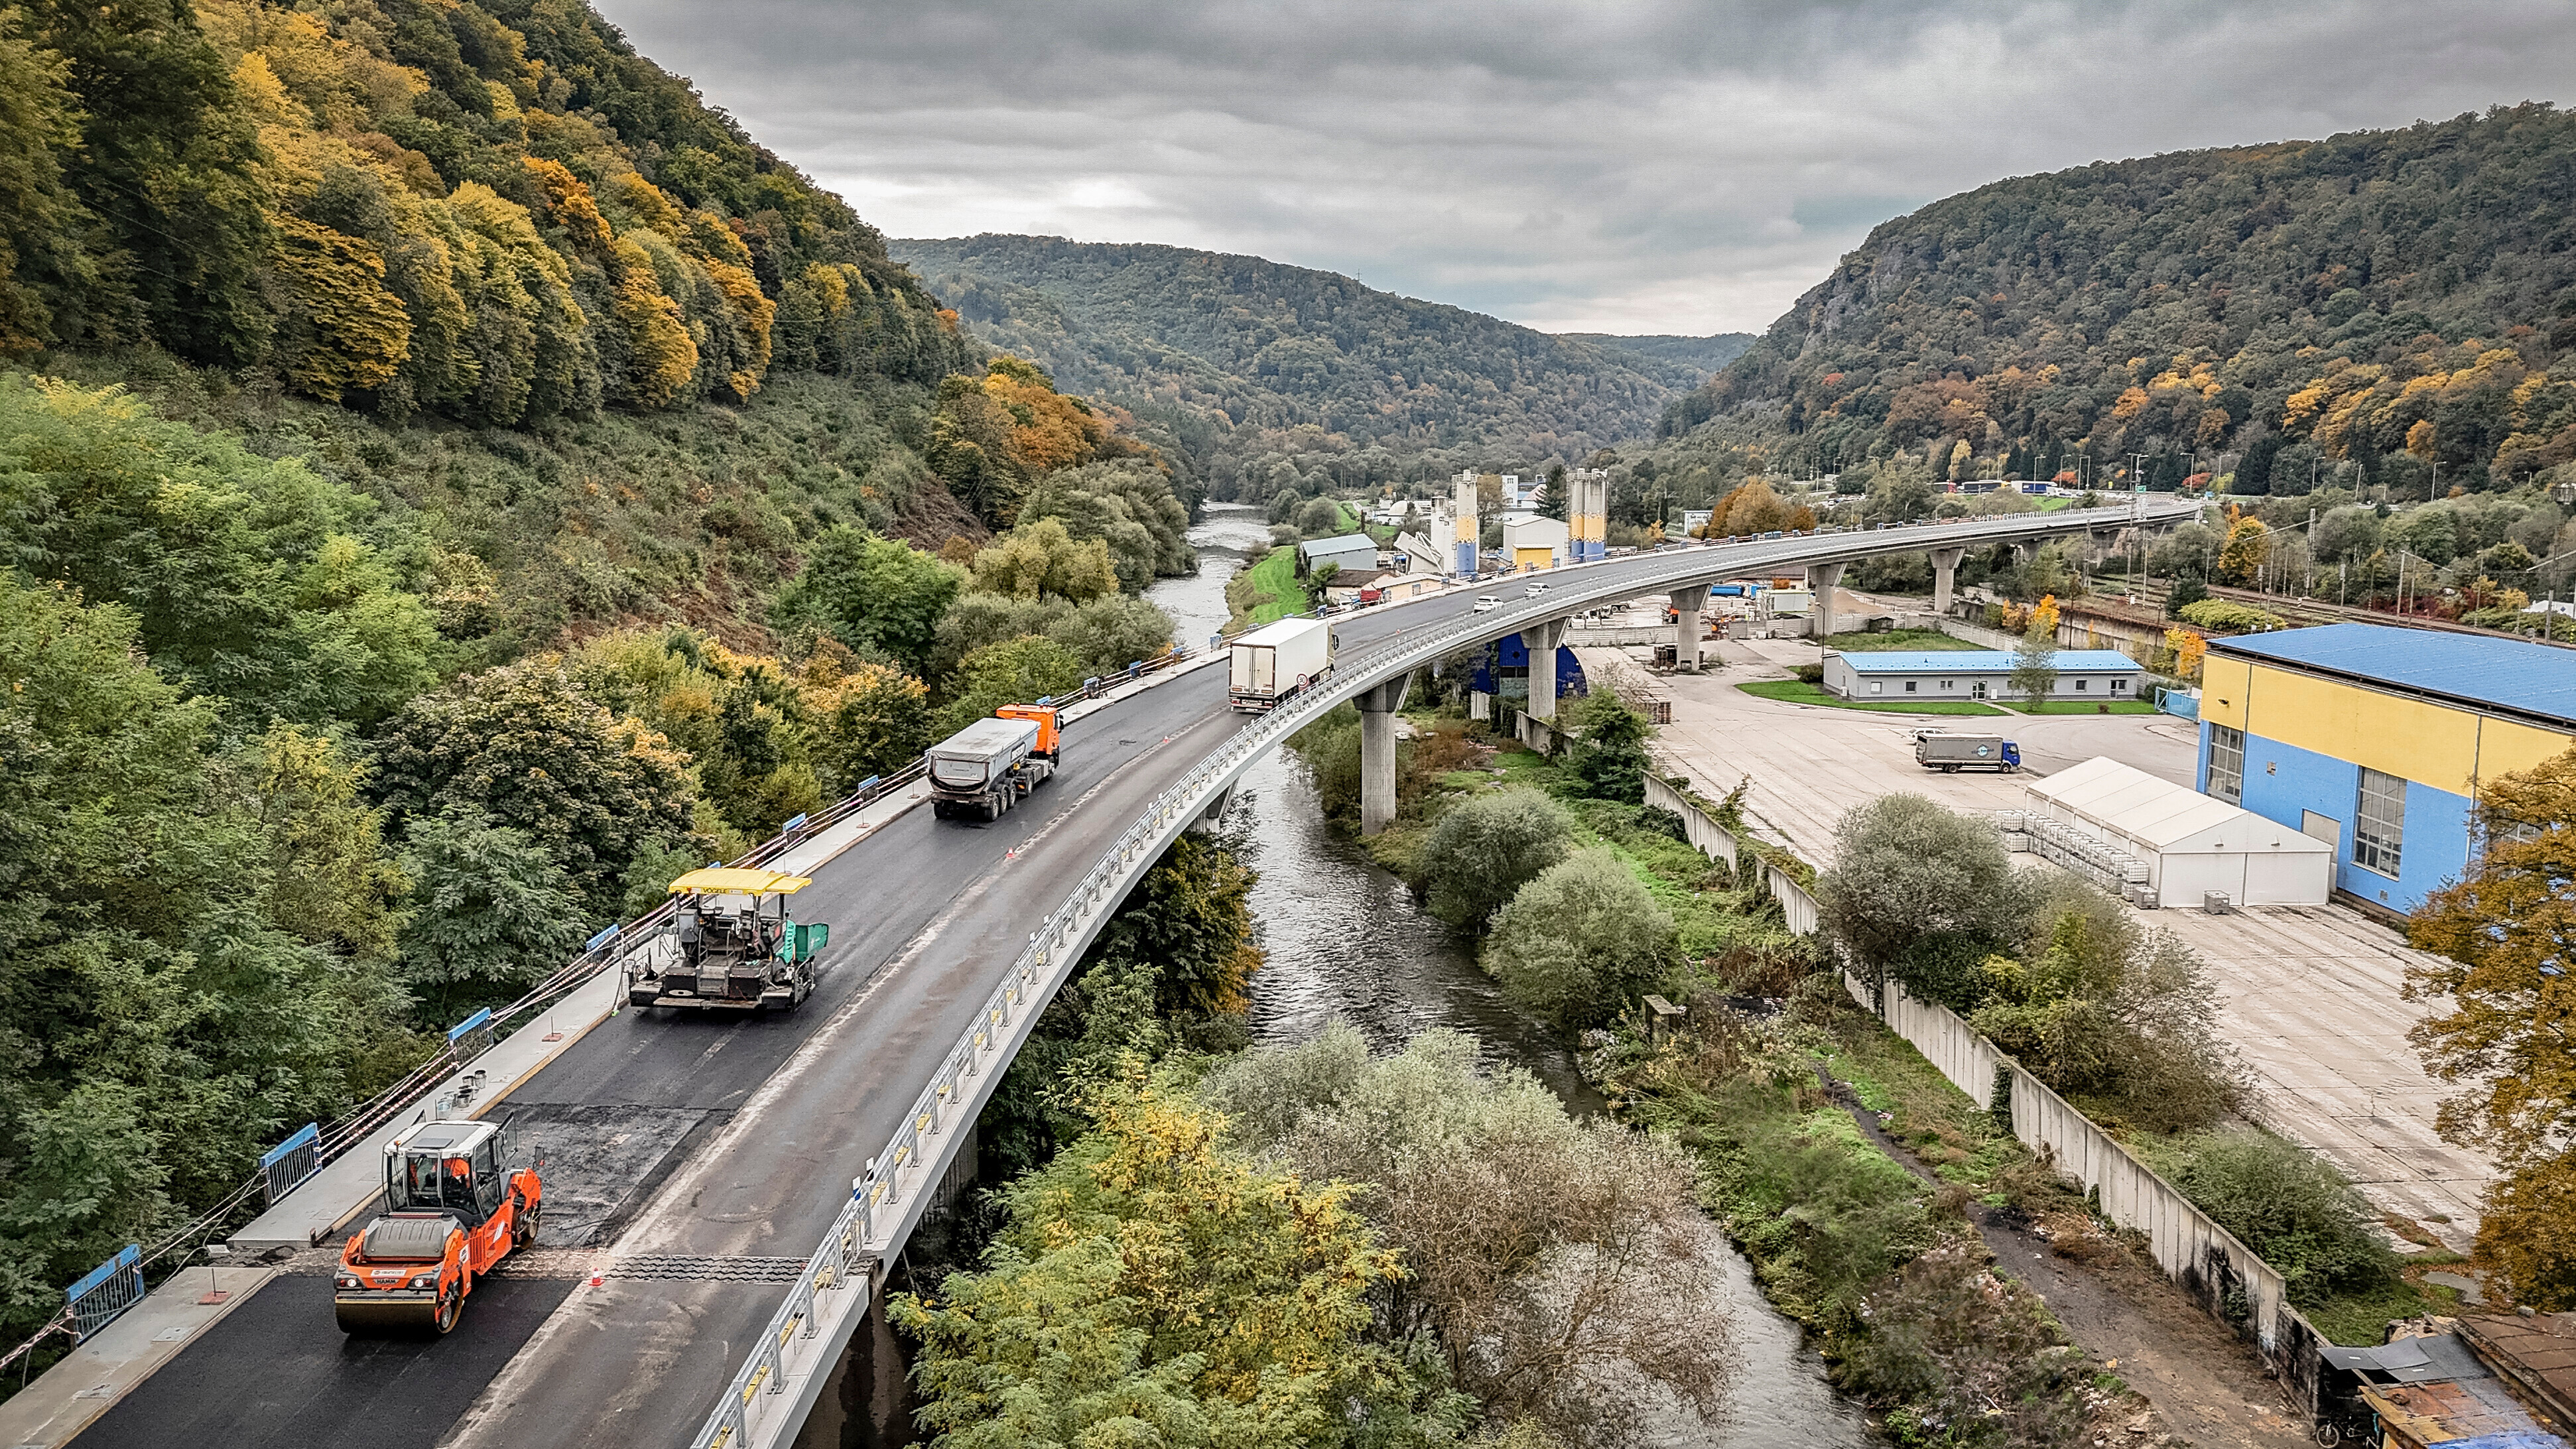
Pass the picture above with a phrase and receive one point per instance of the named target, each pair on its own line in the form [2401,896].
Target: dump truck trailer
[991,765]
[1277,662]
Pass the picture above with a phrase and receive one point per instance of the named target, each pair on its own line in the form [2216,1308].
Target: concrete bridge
[724,1195]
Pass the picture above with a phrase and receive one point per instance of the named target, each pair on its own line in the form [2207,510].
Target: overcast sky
[1571,164]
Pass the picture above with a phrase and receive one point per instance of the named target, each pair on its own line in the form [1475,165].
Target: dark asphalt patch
[281,1375]
[601,1161]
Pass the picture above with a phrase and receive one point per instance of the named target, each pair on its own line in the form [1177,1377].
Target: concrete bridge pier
[1824,579]
[1687,627]
[1378,704]
[1945,576]
[1210,821]
[1542,641]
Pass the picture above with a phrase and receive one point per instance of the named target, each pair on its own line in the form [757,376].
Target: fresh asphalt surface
[729,1137]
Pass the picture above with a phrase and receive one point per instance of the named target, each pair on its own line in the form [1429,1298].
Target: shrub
[1610,753]
[2286,1203]
[1485,849]
[2228,617]
[2093,1005]
[1907,869]
[1582,941]
[1556,1261]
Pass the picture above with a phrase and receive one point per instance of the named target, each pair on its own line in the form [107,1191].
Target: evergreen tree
[2254,470]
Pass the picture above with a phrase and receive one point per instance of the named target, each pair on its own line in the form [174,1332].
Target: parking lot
[2309,995]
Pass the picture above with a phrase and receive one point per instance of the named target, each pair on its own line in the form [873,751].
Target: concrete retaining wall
[1536,733]
[2222,1275]
[1717,843]
[1703,832]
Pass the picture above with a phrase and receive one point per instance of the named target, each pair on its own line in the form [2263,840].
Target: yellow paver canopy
[739,880]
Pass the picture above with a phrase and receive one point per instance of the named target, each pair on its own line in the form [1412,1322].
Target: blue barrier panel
[290,1162]
[603,938]
[867,784]
[109,1289]
[471,1037]
[792,826]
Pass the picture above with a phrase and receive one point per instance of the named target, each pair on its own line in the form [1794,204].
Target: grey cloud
[1631,166]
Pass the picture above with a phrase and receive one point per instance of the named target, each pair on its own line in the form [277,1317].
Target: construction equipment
[730,946]
[991,765]
[453,1210]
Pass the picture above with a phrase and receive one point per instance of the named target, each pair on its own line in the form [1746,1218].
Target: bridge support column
[1824,579]
[867,1403]
[1378,705]
[1542,641]
[1945,576]
[1212,819]
[1687,627]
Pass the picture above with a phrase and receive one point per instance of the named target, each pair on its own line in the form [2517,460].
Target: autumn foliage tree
[2507,934]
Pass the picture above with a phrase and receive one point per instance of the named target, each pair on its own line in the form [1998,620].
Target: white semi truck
[1277,662]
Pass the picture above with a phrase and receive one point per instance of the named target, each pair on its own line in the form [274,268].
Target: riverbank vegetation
[1301,1245]
[1266,592]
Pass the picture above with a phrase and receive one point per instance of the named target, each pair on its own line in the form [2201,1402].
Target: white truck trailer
[1277,662]
[1949,753]
[986,768]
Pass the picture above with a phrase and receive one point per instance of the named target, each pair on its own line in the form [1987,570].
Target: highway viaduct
[731,1190]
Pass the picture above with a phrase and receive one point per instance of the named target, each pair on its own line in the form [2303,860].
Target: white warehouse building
[2083,675]
[2192,845]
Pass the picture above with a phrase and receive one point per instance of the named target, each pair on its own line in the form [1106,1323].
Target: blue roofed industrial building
[2086,676]
[2377,738]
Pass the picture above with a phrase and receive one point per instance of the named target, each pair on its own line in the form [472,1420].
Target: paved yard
[1810,763]
[2310,995]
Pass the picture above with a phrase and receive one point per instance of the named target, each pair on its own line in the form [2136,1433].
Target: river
[1345,938]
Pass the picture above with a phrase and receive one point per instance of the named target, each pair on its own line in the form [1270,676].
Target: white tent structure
[2193,845]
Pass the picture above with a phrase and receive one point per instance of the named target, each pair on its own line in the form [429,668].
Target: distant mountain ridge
[2365,309]
[1691,359]
[1252,362]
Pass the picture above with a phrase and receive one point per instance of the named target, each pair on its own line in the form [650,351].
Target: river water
[1345,938]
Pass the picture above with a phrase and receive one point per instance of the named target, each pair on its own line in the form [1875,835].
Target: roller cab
[454,1208]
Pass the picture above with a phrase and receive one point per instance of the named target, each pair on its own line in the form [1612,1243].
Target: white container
[1277,662]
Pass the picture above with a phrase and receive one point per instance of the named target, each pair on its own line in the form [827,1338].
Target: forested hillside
[1272,372]
[451,481]
[2359,310]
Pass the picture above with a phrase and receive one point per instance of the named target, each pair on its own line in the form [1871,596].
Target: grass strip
[1794,691]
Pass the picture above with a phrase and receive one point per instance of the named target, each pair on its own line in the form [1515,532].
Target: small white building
[2085,676]
[1533,542]
[2192,845]
[1354,552]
